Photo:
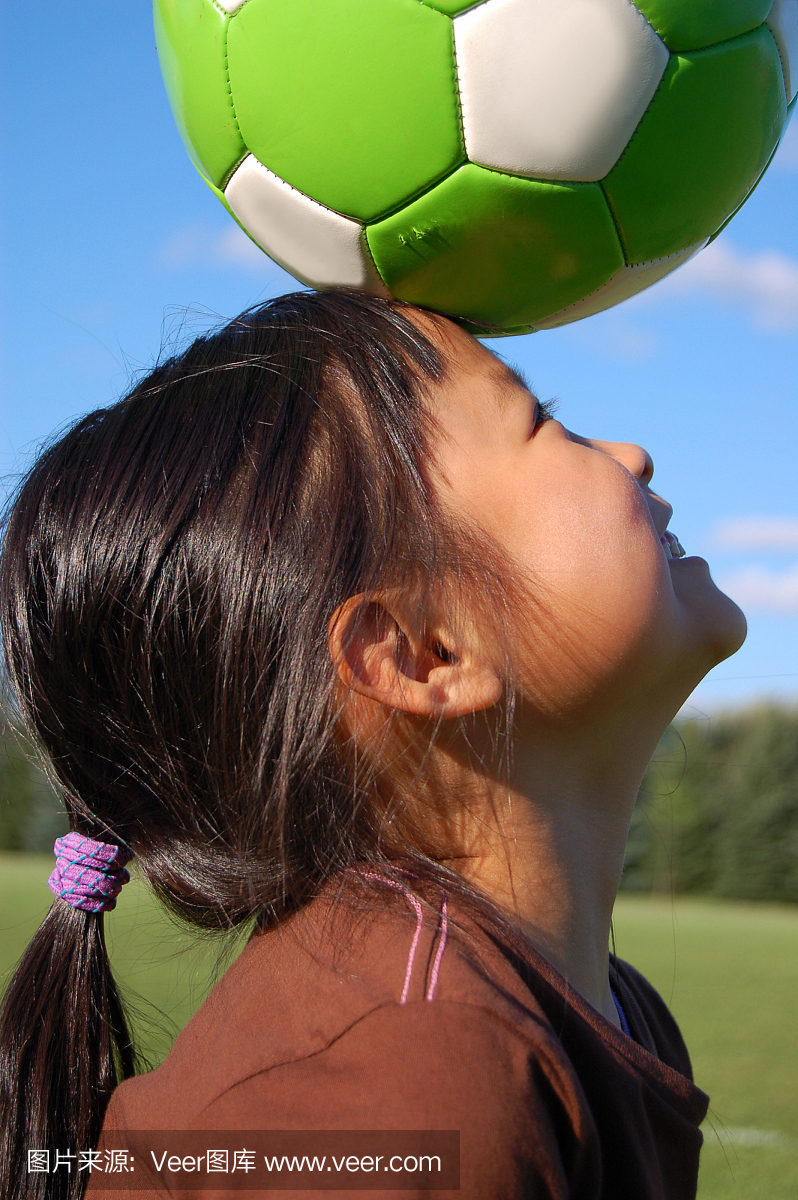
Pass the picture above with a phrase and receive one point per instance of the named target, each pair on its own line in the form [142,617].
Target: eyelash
[546,410]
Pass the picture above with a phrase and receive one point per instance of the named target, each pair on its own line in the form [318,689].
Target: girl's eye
[545,411]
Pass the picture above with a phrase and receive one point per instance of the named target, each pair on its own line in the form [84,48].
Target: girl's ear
[378,653]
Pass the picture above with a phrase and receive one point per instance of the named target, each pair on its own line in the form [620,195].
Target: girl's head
[243,606]
[217,592]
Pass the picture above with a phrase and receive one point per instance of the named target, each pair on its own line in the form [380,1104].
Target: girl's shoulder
[382,979]
[385,1015]
[392,1015]
[366,974]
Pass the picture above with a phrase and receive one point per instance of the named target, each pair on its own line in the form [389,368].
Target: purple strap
[89,875]
[621,1014]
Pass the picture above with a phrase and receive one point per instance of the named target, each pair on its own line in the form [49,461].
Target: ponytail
[64,1046]
[63,1012]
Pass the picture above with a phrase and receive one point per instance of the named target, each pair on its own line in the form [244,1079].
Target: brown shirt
[368,1015]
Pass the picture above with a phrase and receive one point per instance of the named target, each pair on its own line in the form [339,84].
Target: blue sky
[112,242]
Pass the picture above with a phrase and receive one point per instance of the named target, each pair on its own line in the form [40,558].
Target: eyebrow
[509,378]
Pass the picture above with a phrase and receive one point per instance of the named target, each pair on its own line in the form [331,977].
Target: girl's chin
[737,628]
[722,623]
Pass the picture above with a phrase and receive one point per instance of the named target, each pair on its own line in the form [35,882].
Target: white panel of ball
[554,89]
[318,246]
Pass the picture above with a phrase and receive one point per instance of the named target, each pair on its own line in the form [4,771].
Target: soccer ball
[516,164]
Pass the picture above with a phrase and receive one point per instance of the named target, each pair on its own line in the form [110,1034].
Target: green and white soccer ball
[517,164]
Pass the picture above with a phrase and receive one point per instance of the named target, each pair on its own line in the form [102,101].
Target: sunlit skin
[612,639]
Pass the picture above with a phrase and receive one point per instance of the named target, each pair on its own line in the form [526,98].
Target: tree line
[31,814]
[717,812]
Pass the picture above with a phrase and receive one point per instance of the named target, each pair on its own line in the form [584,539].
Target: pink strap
[411,958]
[436,966]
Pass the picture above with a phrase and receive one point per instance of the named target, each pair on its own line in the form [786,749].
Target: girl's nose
[636,460]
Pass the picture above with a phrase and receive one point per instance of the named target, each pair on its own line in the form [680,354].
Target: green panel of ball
[191,37]
[452,7]
[700,147]
[699,24]
[359,110]
[732,215]
[497,249]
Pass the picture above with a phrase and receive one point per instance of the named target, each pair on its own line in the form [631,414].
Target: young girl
[340,633]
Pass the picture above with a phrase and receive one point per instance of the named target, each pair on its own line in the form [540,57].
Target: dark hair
[169,570]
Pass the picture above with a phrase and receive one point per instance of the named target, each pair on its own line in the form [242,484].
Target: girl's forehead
[472,374]
[476,392]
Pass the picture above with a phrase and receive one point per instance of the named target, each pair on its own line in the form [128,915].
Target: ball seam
[474,4]
[369,254]
[781,62]
[616,224]
[458,99]
[234,168]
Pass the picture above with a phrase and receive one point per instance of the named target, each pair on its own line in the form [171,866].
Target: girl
[335,628]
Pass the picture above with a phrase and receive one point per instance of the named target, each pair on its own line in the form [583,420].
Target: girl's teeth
[673,547]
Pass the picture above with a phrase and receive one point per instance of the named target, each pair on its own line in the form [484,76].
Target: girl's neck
[557,875]
[548,847]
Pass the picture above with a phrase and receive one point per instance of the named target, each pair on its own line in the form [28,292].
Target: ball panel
[625,283]
[191,38]
[553,89]
[732,215]
[452,7]
[670,191]
[783,24]
[497,249]
[698,24]
[352,103]
[320,247]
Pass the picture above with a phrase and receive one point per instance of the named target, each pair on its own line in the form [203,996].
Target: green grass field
[729,972]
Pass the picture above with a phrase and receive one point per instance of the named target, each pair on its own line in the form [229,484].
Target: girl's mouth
[673,547]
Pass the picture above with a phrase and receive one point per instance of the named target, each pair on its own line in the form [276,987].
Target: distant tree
[718,809]
[31,814]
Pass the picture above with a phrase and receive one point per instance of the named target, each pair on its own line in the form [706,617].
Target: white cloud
[757,533]
[764,284]
[757,589]
[613,335]
[197,245]
[183,247]
[234,247]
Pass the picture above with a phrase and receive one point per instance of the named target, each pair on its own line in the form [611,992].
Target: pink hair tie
[89,875]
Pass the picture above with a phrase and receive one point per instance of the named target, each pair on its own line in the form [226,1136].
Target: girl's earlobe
[466,686]
[378,654]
